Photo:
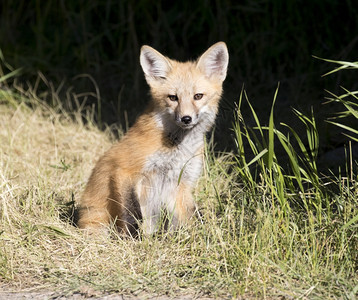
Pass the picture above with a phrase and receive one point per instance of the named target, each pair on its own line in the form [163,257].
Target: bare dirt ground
[88,293]
[78,296]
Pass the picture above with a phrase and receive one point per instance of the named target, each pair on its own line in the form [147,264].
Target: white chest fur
[166,169]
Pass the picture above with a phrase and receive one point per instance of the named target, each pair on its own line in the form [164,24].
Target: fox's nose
[186,119]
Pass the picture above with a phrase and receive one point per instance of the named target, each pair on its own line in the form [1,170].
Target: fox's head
[186,92]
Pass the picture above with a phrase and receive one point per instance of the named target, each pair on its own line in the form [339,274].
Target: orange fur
[157,162]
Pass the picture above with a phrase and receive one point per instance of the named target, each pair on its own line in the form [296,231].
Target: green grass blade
[353,111]
[351,137]
[353,220]
[257,157]
[257,121]
[344,65]
[292,157]
[11,74]
[344,127]
[271,141]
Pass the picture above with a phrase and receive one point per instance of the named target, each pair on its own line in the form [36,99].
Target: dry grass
[45,160]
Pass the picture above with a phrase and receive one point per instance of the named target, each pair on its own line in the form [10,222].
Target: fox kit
[157,163]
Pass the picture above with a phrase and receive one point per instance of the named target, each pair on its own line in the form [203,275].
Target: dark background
[269,42]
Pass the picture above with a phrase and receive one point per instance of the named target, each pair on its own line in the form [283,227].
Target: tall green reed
[262,170]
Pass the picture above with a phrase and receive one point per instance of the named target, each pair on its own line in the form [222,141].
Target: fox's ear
[154,64]
[214,61]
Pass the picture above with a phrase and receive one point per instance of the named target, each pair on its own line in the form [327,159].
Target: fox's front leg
[149,204]
[183,208]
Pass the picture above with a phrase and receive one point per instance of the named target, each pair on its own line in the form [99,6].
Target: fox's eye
[173,97]
[198,96]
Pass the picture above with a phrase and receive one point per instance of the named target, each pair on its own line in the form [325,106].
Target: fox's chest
[175,165]
[180,162]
